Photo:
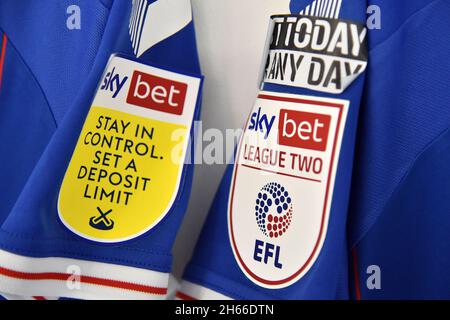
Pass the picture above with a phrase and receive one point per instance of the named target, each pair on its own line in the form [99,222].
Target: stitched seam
[88,258]
[358,240]
[68,241]
[11,43]
[106,6]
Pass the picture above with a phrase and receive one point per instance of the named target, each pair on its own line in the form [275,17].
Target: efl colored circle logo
[273,210]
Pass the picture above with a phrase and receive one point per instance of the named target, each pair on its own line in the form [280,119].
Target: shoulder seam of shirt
[106,3]
[397,187]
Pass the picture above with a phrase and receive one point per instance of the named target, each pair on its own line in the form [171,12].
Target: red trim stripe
[84,279]
[297,100]
[39,298]
[356,274]
[2,56]
[184,296]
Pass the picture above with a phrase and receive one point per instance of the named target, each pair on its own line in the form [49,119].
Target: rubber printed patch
[282,185]
[127,166]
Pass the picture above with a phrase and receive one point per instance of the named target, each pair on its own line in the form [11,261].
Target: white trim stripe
[139,24]
[80,279]
[318,3]
[133,15]
[307,10]
[142,18]
[137,20]
[151,23]
[333,9]
[192,291]
[14,297]
[338,9]
[137,6]
[323,8]
[313,7]
[327,10]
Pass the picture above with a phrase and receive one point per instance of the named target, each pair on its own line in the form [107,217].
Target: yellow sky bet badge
[127,166]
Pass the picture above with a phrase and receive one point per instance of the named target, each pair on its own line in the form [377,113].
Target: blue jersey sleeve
[74,235]
[277,226]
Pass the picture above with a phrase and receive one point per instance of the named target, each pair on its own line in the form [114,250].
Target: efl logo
[303,130]
[157,93]
[273,212]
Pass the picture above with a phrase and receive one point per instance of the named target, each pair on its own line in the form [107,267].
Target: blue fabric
[26,125]
[399,207]
[44,68]
[409,241]
[32,227]
[59,58]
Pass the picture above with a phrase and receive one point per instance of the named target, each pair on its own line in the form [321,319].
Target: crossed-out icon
[102,221]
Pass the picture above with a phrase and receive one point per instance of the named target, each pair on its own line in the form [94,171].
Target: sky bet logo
[148,91]
[303,130]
